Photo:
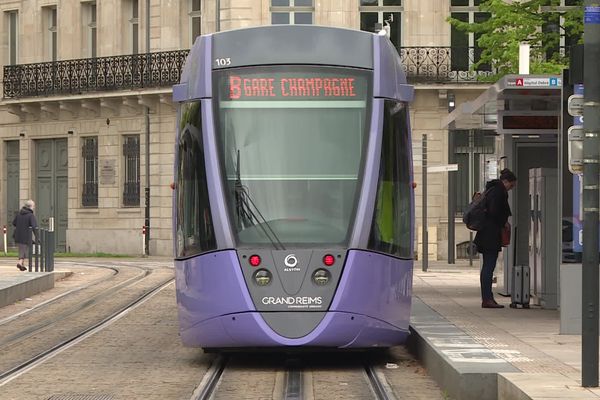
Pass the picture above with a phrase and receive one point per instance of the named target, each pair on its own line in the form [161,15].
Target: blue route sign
[591,15]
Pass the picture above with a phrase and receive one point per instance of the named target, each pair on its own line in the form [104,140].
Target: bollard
[30,250]
[36,250]
[43,250]
[143,240]
[51,247]
[5,241]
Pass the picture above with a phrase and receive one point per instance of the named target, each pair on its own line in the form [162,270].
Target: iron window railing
[94,74]
[442,64]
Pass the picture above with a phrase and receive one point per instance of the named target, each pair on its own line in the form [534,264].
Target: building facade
[87,120]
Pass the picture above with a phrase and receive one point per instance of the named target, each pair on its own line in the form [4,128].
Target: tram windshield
[291,143]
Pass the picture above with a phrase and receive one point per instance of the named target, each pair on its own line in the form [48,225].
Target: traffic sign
[575,105]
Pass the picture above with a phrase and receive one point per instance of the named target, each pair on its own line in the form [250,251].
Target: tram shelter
[524,113]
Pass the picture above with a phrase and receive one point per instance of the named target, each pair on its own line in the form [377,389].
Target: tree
[537,22]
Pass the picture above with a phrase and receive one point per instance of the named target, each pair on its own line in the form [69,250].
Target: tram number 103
[222,62]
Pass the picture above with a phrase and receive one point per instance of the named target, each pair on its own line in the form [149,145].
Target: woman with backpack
[489,239]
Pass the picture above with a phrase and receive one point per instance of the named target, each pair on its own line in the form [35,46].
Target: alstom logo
[290,261]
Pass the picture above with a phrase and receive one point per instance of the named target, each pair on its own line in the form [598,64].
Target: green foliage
[523,21]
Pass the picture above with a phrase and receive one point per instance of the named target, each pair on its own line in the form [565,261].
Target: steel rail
[379,384]
[22,335]
[294,381]
[60,296]
[211,379]
[40,358]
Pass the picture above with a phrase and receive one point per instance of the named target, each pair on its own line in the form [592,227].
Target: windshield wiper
[247,211]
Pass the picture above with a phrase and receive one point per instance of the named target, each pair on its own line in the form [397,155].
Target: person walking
[489,239]
[23,221]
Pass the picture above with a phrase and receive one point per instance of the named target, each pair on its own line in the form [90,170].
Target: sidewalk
[520,349]
[16,285]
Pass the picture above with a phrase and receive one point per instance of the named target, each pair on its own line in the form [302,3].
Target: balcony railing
[421,65]
[442,64]
[94,74]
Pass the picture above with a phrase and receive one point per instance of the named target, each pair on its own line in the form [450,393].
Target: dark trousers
[487,273]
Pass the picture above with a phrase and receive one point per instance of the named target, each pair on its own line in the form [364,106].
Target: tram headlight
[321,277]
[262,277]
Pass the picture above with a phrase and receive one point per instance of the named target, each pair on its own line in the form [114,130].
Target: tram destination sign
[236,85]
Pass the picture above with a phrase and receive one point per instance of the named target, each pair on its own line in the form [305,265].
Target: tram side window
[391,228]
[195,231]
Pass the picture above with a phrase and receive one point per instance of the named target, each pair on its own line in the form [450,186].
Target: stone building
[87,120]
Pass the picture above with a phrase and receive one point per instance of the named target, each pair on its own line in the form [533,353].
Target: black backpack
[474,216]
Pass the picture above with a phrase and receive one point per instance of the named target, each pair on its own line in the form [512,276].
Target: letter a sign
[519,81]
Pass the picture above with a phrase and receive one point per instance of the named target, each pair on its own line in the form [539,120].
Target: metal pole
[471,186]
[147,118]
[43,250]
[30,250]
[451,201]
[591,126]
[424,247]
[217,15]
[36,250]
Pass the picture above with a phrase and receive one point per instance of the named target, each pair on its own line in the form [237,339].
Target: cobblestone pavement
[46,327]
[137,357]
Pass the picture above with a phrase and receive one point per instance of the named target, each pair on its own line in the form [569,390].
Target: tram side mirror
[575,135]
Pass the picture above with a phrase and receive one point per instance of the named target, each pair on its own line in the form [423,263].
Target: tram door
[12,186]
[51,187]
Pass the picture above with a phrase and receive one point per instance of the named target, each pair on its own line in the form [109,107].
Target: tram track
[296,382]
[107,292]
[60,296]
[31,329]
[31,336]
[32,362]
[379,384]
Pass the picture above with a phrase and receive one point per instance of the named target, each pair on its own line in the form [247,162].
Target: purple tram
[294,202]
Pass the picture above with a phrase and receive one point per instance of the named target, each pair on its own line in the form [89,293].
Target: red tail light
[329,260]
[254,260]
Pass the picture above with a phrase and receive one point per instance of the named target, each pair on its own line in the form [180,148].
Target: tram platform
[16,285]
[482,353]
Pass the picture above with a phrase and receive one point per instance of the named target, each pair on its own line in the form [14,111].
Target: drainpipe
[147,118]
[217,15]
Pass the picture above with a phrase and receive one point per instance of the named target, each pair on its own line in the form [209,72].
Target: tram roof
[294,45]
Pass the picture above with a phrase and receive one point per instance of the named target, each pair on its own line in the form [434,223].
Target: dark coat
[496,216]
[22,222]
